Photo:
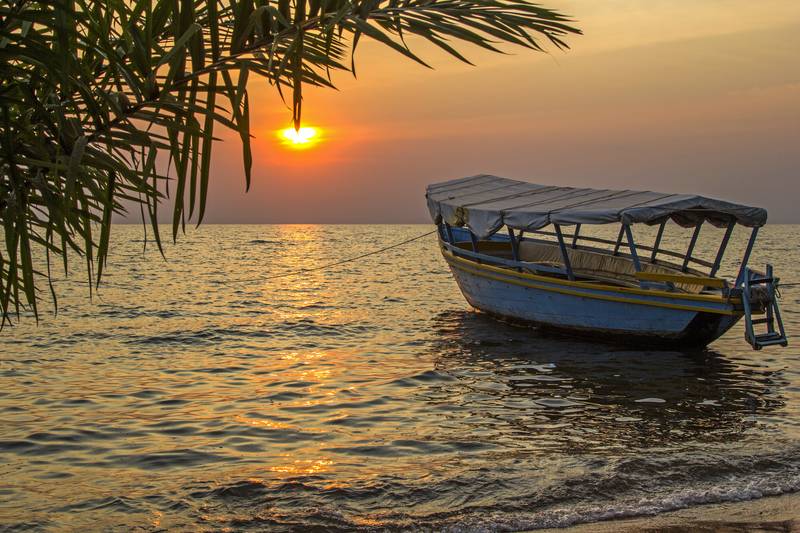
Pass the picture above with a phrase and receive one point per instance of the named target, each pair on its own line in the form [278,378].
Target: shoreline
[768,514]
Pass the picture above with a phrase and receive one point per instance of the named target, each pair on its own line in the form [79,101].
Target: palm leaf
[108,104]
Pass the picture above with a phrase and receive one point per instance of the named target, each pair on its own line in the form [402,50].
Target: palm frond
[105,104]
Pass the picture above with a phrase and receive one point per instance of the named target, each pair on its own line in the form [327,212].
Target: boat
[526,253]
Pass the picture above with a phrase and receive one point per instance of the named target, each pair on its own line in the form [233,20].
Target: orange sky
[680,96]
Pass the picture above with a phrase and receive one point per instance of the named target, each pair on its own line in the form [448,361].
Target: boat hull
[606,313]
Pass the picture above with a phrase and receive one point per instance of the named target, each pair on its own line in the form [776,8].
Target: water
[195,395]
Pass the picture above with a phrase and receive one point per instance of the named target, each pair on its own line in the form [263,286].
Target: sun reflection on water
[270,424]
[304,467]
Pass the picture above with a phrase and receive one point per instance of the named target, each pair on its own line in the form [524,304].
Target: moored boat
[538,273]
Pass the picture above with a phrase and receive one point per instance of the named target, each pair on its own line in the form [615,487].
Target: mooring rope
[283,274]
[362,256]
[348,260]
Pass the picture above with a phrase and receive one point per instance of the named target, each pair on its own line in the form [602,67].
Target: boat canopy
[486,203]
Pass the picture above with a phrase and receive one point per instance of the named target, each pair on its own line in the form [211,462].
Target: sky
[691,96]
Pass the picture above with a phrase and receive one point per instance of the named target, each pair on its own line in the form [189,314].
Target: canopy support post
[619,240]
[474,240]
[575,235]
[442,231]
[688,256]
[564,253]
[746,258]
[723,245]
[632,245]
[449,231]
[514,244]
[658,241]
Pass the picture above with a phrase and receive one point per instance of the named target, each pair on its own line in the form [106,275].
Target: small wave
[28,447]
[123,312]
[307,327]
[640,487]
[265,241]
[498,500]
[111,503]
[303,328]
[167,459]
[733,491]
[428,376]
[198,337]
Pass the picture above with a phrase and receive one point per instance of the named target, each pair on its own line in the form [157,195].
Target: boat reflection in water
[538,392]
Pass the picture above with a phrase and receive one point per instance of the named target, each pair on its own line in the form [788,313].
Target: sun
[305,137]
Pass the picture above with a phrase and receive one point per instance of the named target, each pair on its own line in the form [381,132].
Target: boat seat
[596,264]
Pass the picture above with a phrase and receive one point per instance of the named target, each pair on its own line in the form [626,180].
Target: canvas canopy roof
[485,203]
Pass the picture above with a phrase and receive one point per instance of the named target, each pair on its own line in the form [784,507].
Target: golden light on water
[305,137]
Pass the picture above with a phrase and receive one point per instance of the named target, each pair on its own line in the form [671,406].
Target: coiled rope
[348,260]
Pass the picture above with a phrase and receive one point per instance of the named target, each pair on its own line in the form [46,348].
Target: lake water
[195,394]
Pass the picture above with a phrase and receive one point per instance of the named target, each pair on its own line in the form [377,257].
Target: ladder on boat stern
[772,317]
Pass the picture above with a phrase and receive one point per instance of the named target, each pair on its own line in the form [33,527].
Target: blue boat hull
[605,313]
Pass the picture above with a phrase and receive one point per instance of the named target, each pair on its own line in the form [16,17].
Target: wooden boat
[536,273]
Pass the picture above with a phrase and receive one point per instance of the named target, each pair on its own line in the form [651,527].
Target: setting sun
[303,138]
